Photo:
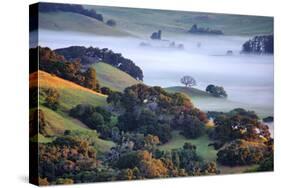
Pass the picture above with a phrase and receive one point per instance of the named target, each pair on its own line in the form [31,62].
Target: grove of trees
[216,91]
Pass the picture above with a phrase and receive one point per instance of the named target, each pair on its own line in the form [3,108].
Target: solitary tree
[91,79]
[111,22]
[52,98]
[188,81]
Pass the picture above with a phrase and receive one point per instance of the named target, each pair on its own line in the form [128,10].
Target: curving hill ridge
[48,80]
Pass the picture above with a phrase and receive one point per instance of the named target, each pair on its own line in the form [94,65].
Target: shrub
[111,22]
[52,98]
[192,127]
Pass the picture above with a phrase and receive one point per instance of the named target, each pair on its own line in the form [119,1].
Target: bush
[52,98]
[95,120]
[241,152]
[216,91]
[192,127]
[111,23]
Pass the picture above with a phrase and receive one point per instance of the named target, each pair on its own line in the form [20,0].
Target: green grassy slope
[191,92]
[208,153]
[71,94]
[61,121]
[145,21]
[112,77]
[67,21]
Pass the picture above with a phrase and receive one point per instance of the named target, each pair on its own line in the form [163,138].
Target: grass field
[144,21]
[206,152]
[112,77]
[59,121]
[191,92]
[68,21]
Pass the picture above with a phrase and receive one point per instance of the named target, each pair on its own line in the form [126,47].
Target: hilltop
[112,77]
[191,92]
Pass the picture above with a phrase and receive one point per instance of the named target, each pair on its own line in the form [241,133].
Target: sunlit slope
[71,94]
[143,22]
[68,21]
[207,102]
[113,78]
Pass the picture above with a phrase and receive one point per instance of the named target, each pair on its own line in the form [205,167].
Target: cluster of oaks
[146,116]
[259,45]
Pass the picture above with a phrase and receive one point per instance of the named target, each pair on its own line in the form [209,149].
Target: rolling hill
[71,94]
[207,102]
[112,77]
[68,21]
[145,21]
[191,92]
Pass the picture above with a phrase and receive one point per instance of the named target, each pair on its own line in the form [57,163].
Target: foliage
[260,45]
[94,55]
[91,79]
[94,117]
[241,152]
[231,126]
[216,91]
[201,30]
[268,119]
[188,81]
[111,23]
[192,127]
[105,90]
[52,98]
[56,64]
[54,7]
[267,164]
[66,155]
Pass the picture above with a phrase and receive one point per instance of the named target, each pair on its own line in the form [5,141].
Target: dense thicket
[56,64]
[151,110]
[95,118]
[241,138]
[260,45]
[93,55]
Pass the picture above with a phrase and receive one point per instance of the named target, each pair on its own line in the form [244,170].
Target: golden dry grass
[48,80]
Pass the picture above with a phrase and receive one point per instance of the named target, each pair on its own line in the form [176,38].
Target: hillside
[112,77]
[68,21]
[144,21]
[207,102]
[71,94]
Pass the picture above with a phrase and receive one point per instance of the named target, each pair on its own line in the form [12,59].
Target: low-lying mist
[246,78]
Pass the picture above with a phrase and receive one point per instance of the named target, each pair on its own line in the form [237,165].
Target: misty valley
[164,94]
